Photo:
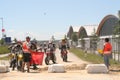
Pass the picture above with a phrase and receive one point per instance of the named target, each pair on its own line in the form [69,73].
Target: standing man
[107,51]
[26,53]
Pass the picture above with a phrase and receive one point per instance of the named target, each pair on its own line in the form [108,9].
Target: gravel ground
[72,72]
[69,75]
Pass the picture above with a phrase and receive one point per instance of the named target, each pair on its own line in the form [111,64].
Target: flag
[37,57]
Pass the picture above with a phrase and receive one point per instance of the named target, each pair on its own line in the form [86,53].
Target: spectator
[107,51]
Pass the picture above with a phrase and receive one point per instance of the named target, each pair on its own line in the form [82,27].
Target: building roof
[76,28]
[90,29]
[106,22]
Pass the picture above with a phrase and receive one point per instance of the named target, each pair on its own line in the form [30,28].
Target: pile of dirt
[68,67]
[75,67]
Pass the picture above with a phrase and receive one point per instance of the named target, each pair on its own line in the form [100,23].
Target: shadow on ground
[115,70]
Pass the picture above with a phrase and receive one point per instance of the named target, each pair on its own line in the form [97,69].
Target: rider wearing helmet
[52,48]
[63,44]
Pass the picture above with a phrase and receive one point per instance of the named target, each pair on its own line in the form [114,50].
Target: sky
[41,19]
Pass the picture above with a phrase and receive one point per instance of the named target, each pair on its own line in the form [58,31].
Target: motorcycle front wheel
[65,58]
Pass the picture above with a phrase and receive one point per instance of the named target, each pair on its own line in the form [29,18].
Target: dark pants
[106,59]
[26,60]
[26,57]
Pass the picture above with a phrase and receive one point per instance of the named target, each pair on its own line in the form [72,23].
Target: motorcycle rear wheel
[47,60]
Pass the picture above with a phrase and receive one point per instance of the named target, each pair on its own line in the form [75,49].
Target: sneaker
[35,67]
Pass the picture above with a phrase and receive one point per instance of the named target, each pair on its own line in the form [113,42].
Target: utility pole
[3,30]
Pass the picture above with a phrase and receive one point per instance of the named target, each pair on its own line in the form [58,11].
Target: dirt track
[69,75]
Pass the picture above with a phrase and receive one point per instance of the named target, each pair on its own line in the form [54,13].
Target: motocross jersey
[51,47]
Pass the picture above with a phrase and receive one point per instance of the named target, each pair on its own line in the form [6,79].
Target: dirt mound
[67,67]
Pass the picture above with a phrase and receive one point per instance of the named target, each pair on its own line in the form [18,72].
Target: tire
[53,58]
[13,64]
[19,66]
[65,58]
[47,60]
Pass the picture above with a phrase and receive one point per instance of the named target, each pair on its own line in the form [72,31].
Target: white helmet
[50,41]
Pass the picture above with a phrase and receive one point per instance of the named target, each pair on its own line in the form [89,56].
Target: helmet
[50,41]
[63,40]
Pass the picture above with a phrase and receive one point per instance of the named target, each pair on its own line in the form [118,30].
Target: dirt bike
[50,55]
[64,55]
[16,57]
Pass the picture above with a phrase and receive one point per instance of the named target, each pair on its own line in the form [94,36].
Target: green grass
[4,49]
[92,58]
[87,56]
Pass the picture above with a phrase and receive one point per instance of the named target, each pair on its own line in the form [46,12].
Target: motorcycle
[50,55]
[64,55]
[16,57]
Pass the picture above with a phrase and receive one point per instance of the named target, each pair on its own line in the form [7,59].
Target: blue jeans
[106,60]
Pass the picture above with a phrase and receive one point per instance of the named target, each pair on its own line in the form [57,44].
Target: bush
[4,49]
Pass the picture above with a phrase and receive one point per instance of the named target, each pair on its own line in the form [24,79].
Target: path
[69,75]
[3,55]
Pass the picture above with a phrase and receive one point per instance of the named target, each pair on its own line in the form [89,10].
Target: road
[74,74]
[3,55]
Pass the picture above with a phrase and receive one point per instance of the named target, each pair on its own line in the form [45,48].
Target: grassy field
[4,49]
[4,58]
[93,58]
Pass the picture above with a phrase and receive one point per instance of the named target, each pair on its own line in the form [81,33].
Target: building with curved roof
[76,28]
[72,30]
[106,26]
[105,29]
[90,29]
[82,32]
[87,30]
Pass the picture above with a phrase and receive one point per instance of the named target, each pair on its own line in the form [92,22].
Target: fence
[100,44]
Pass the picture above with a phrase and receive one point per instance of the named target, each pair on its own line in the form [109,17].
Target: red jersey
[26,47]
[107,48]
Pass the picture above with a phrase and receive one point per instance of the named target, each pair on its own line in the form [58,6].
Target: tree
[82,42]
[116,31]
[15,39]
[94,40]
[74,37]
[65,37]
[2,41]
